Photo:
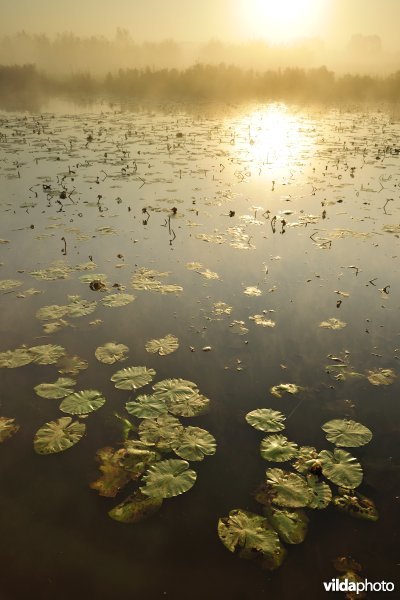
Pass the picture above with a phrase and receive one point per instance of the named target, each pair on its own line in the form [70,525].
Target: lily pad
[7,428]
[291,526]
[345,432]
[285,388]
[288,489]
[59,389]
[135,508]
[168,478]
[9,284]
[306,457]
[173,389]
[163,432]
[57,436]
[48,354]
[277,448]
[136,456]
[78,307]
[266,419]
[341,468]
[113,477]
[194,444]
[321,493]
[333,324]
[147,407]
[111,352]
[252,536]
[356,505]
[71,365]
[82,403]
[116,300]
[52,312]
[163,346]
[132,378]
[11,359]
[381,376]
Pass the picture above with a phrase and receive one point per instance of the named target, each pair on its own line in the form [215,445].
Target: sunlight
[282,21]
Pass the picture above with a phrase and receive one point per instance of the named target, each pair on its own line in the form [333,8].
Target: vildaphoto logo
[346,585]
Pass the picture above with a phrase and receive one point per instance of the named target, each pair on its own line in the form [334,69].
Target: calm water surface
[313,196]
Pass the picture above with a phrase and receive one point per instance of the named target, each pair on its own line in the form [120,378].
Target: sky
[276,21]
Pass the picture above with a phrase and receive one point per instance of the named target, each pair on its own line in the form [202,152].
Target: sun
[282,21]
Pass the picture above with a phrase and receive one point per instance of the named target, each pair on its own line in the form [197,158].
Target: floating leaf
[341,468]
[163,346]
[147,407]
[252,291]
[132,378]
[188,406]
[262,320]
[55,326]
[266,419]
[9,284]
[174,389]
[282,388]
[194,444]
[114,477]
[7,428]
[277,448]
[356,505]
[12,359]
[136,456]
[291,526]
[345,432]
[116,300]
[54,311]
[78,307]
[333,324]
[305,459]
[321,493]
[47,354]
[221,308]
[381,376]
[135,508]
[288,489]
[252,536]
[168,478]
[111,352]
[163,432]
[238,327]
[59,389]
[71,365]
[82,403]
[57,436]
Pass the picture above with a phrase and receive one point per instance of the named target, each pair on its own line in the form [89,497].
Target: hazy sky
[199,20]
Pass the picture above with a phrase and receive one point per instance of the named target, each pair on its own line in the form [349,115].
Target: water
[331,179]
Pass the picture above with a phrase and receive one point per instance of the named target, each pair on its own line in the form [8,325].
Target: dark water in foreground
[333,175]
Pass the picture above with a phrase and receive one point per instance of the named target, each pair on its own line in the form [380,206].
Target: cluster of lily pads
[158,432]
[284,493]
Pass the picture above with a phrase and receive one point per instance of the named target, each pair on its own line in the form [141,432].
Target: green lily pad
[163,346]
[57,436]
[266,419]
[194,444]
[173,389]
[135,508]
[168,478]
[356,505]
[291,526]
[111,352]
[341,468]
[11,359]
[182,397]
[147,407]
[333,324]
[132,378]
[285,388]
[52,312]
[163,432]
[252,536]
[7,428]
[381,376]
[306,457]
[116,300]
[78,307]
[113,477]
[321,493]
[277,448]
[288,489]
[71,365]
[48,354]
[136,456]
[9,284]
[345,432]
[82,403]
[59,389]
